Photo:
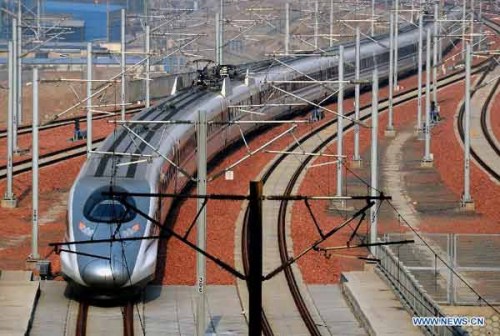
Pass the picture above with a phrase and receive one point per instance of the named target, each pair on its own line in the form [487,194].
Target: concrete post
[316,24]
[389,130]
[440,39]
[420,49]
[357,157]
[201,225]
[396,47]
[372,26]
[123,65]
[89,99]
[472,24]
[467,201]
[15,86]
[9,199]
[427,160]
[464,26]
[221,33]
[148,66]
[287,28]
[331,23]
[435,56]
[217,38]
[340,121]
[480,19]
[19,65]
[374,161]
[38,19]
[34,215]
[412,4]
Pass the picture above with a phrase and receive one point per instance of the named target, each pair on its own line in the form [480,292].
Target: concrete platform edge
[33,309]
[352,303]
[405,305]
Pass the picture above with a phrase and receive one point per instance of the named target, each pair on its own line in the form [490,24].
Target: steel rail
[81,319]
[399,99]
[26,129]
[484,126]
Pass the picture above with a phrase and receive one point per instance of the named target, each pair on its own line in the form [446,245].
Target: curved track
[484,127]
[329,136]
[484,120]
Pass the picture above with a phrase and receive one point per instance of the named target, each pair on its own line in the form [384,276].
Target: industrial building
[82,20]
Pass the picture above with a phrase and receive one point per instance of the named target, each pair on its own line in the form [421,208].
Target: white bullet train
[135,159]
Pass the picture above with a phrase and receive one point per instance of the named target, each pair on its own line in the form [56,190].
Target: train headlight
[86,230]
[130,231]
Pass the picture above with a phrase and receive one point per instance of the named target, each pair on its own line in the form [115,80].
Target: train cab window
[108,209]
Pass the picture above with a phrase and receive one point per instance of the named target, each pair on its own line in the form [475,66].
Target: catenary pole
[340,121]
[331,23]
[221,32]
[14,85]
[316,24]
[412,4]
[396,44]
[390,126]
[254,282]
[217,38]
[34,214]
[420,50]
[372,25]
[9,199]
[89,99]
[480,20]
[427,128]
[435,56]
[123,65]
[466,195]
[374,160]
[19,65]
[201,225]
[287,28]
[464,26]
[440,31]
[39,19]
[148,66]
[357,156]
[472,24]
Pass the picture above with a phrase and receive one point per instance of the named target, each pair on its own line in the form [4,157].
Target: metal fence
[410,292]
[475,259]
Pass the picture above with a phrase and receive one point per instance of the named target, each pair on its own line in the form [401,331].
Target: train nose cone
[103,274]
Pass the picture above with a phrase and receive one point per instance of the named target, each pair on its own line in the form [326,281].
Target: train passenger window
[108,209]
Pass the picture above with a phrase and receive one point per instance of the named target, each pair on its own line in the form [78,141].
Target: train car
[144,156]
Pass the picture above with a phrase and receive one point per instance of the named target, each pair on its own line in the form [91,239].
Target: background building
[84,20]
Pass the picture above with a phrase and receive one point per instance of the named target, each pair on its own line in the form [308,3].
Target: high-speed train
[144,158]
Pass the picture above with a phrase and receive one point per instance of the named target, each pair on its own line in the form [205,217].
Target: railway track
[80,149]
[60,155]
[85,326]
[51,158]
[26,129]
[484,119]
[328,136]
[486,132]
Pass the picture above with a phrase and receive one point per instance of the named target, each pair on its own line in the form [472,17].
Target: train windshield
[108,209]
